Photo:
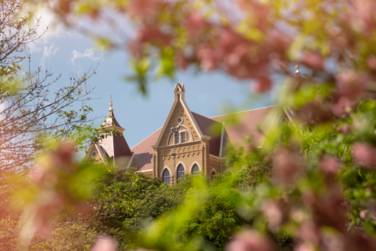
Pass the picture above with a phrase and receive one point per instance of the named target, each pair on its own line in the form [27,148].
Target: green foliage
[128,201]
[216,222]
[67,236]
[242,196]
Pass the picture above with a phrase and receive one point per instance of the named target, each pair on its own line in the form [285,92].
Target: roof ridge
[211,118]
[237,112]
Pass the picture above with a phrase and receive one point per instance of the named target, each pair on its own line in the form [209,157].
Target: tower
[111,145]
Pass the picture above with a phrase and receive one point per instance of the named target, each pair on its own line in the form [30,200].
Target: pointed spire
[110,121]
[179,90]
[113,141]
[110,113]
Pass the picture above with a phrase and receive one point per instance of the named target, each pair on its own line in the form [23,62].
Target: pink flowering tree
[315,168]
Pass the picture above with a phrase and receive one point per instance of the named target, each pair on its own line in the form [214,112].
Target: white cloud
[49,51]
[89,53]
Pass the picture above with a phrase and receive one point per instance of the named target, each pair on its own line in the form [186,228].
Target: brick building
[187,143]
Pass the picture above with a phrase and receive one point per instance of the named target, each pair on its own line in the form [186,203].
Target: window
[178,136]
[179,172]
[166,176]
[195,170]
[183,136]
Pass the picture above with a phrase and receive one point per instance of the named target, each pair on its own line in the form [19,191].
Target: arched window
[166,176]
[179,172]
[195,169]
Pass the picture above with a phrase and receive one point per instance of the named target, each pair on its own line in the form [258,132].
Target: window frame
[166,170]
[180,173]
[198,169]
[179,135]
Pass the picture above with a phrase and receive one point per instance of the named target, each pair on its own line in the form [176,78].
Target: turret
[111,144]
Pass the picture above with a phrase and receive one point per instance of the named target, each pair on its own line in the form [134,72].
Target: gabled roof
[247,126]
[179,99]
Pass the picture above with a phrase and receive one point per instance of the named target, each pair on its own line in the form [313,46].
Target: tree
[127,201]
[32,106]
[319,144]
[31,102]
[66,236]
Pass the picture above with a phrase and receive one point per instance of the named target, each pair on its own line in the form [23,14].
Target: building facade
[187,144]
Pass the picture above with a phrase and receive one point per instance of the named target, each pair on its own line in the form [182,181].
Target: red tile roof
[143,152]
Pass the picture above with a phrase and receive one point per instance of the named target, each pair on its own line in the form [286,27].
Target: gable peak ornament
[179,90]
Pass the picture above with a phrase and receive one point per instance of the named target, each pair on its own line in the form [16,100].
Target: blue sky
[68,53]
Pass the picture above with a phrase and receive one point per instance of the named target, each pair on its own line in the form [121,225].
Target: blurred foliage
[57,184]
[67,235]
[309,184]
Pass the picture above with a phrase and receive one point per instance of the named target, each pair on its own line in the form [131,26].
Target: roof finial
[110,120]
[110,107]
[179,90]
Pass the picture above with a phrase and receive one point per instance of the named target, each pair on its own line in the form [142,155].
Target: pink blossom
[364,154]
[330,165]
[195,22]
[105,243]
[344,129]
[146,9]
[249,240]
[308,232]
[304,247]
[363,214]
[313,60]
[287,166]
[364,14]
[343,106]
[350,84]
[371,62]
[154,35]
[275,212]
[208,58]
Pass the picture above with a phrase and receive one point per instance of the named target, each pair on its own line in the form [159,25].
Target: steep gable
[179,116]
